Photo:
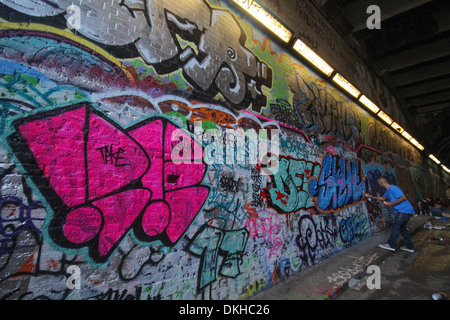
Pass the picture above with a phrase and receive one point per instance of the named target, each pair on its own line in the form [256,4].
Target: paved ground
[413,276]
[403,275]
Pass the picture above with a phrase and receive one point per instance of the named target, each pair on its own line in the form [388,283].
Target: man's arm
[399,200]
[377,198]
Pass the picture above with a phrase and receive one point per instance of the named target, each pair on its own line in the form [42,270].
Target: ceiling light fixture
[414,142]
[445,168]
[369,104]
[341,81]
[312,57]
[260,14]
[385,117]
[406,135]
[397,127]
[434,159]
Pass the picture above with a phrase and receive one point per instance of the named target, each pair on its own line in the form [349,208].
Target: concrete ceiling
[411,54]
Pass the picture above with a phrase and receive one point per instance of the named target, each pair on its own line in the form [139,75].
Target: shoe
[406,249]
[386,246]
[439,296]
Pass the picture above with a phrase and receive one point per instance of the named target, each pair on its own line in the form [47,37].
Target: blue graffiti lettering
[340,184]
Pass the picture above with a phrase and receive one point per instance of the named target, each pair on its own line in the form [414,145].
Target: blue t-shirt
[393,193]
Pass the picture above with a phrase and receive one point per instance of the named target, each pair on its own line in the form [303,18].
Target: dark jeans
[399,227]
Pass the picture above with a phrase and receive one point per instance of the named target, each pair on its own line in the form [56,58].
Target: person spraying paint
[395,198]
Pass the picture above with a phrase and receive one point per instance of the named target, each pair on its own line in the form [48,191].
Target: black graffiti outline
[323,236]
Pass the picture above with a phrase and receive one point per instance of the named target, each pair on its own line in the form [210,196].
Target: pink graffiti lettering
[102,180]
[265,227]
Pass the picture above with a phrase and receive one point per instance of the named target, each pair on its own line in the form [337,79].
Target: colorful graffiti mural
[102,180]
[95,116]
[189,32]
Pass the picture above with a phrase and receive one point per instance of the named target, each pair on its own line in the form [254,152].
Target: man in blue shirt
[394,197]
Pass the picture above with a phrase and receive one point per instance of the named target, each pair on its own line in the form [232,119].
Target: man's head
[382,181]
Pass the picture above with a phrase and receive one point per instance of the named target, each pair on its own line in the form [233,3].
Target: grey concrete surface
[329,279]
[413,276]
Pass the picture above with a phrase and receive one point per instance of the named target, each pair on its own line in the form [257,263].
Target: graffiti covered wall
[122,154]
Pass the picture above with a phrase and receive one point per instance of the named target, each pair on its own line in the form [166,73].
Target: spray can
[441,239]
[428,225]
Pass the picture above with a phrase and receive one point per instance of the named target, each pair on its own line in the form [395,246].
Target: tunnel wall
[168,150]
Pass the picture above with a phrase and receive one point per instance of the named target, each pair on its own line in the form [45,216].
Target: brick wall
[175,150]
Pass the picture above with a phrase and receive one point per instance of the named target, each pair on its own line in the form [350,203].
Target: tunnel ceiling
[411,54]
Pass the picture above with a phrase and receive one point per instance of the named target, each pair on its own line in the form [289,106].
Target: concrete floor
[412,276]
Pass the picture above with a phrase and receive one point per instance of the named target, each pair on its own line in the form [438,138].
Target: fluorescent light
[385,117]
[434,159]
[414,142]
[265,18]
[445,168]
[369,104]
[406,135]
[340,80]
[312,57]
[397,127]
